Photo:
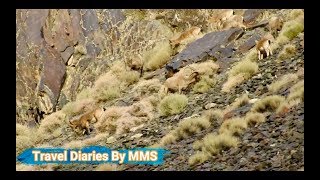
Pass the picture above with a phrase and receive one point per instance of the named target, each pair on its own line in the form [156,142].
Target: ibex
[83,121]
[179,82]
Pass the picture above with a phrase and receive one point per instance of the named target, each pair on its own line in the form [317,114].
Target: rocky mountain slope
[241,113]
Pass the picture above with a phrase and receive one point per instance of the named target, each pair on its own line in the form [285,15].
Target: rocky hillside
[235,111]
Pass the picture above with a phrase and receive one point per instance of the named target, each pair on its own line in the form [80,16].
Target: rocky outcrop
[61,52]
[215,44]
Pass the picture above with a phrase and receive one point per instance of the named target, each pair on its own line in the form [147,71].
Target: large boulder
[215,44]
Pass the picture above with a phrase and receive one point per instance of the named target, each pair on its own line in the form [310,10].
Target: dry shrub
[283,81]
[269,103]
[173,104]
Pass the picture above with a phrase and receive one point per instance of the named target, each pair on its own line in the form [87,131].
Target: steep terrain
[241,113]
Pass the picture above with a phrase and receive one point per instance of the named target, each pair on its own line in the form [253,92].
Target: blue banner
[92,155]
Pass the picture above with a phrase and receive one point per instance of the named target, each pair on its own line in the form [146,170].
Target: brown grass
[107,123]
[185,129]
[146,87]
[211,145]
[253,118]
[293,27]
[204,84]
[78,107]
[204,68]
[51,126]
[282,82]
[172,104]
[214,115]
[297,93]
[158,56]
[232,82]
[238,102]
[287,52]
[25,138]
[235,126]
[198,158]
[246,67]
[269,103]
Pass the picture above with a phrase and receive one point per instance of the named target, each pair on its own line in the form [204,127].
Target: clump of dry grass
[204,84]
[295,97]
[286,106]
[287,52]
[51,126]
[107,122]
[253,118]
[232,82]
[78,107]
[295,13]
[290,29]
[107,167]
[84,94]
[204,68]
[211,145]
[168,139]
[297,86]
[87,142]
[242,71]
[297,91]
[246,67]
[186,128]
[269,103]
[235,126]
[199,158]
[172,104]
[238,102]
[25,138]
[191,126]
[293,27]
[283,81]
[120,119]
[214,115]
[146,87]
[157,56]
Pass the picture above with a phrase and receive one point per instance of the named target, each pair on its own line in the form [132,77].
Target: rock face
[61,52]
[215,44]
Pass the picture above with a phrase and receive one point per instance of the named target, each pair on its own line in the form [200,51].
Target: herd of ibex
[224,19]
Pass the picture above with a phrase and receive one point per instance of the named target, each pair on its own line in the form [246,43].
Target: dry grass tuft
[293,27]
[287,52]
[25,138]
[172,104]
[269,103]
[214,115]
[238,102]
[211,145]
[158,56]
[78,107]
[296,94]
[283,81]
[246,67]
[185,129]
[253,118]
[146,87]
[51,126]
[295,13]
[204,84]
[199,158]
[235,126]
[232,82]
[204,68]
